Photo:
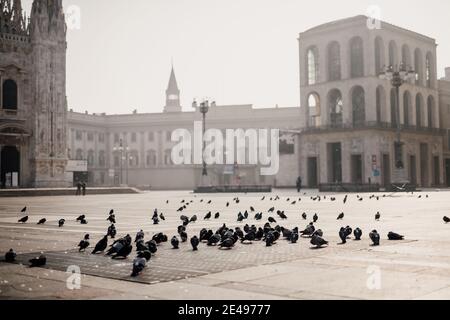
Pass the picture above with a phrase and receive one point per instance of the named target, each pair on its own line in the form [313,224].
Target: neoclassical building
[343,132]
[349,116]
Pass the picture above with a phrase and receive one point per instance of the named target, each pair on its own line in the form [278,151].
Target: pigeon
[141,246]
[147,255]
[446,219]
[10,256]
[194,243]
[395,236]
[138,266]
[315,218]
[208,216]
[84,244]
[82,217]
[83,221]
[139,236]
[101,245]
[24,210]
[228,204]
[345,199]
[318,241]
[152,246]
[252,209]
[340,217]
[343,235]
[213,240]
[111,218]
[270,239]
[23,220]
[272,220]
[358,234]
[318,232]
[271,210]
[61,222]
[38,261]
[377,216]
[174,242]
[282,215]
[375,237]
[112,231]
[258,216]
[42,221]
[125,251]
[304,216]
[309,230]
[193,219]
[217,215]
[227,243]
[294,237]
[155,220]
[240,217]
[183,236]
[111,211]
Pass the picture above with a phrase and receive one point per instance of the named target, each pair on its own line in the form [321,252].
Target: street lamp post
[204,108]
[397,77]
[121,149]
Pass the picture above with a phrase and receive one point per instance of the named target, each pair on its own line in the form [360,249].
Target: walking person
[78,189]
[299,184]
[83,185]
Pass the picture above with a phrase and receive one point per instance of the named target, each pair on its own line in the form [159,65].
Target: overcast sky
[231,51]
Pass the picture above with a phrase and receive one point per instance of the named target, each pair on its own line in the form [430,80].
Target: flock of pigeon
[224,238]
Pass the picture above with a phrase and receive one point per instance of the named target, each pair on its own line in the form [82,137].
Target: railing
[373,125]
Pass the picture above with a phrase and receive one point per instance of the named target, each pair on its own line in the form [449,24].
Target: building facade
[343,132]
[349,116]
[33,111]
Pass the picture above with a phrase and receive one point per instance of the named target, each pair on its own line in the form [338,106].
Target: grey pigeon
[318,241]
[358,234]
[138,266]
[194,243]
[84,244]
[175,242]
[101,245]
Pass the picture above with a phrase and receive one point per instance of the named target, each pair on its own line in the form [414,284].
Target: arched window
[101,158]
[393,55]
[419,104]
[406,108]
[406,55]
[429,67]
[358,106]
[313,65]
[90,158]
[168,157]
[79,154]
[9,90]
[394,119]
[133,159]
[314,109]
[430,111]
[356,57]
[379,56]
[334,61]
[418,66]
[380,103]
[151,158]
[335,106]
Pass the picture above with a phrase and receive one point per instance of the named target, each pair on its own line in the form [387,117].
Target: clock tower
[172,95]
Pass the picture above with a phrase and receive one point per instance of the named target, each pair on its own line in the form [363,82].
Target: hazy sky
[231,51]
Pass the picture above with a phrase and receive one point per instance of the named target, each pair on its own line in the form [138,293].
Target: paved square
[417,268]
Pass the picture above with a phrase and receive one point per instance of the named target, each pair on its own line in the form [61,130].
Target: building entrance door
[10,167]
[447,171]
[357,169]
[386,171]
[312,172]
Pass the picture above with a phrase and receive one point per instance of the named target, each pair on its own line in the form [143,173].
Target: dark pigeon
[42,221]
[175,242]
[24,210]
[446,219]
[304,216]
[84,244]
[377,216]
[82,217]
[101,245]
[138,266]
[340,216]
[194,243]
[318,241]
[343,235]
[217,215]
[61,222]
[395,236]
[10,256]
[315,218]
[375,237]
[358,234]
[23,220]
[38,261]
[272,220]
[208,216]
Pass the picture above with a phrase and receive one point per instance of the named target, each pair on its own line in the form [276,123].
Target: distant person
[83,186]
[299,184]
[78,188]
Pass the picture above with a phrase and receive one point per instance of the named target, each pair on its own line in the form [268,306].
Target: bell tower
[172,95]
[49,111]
